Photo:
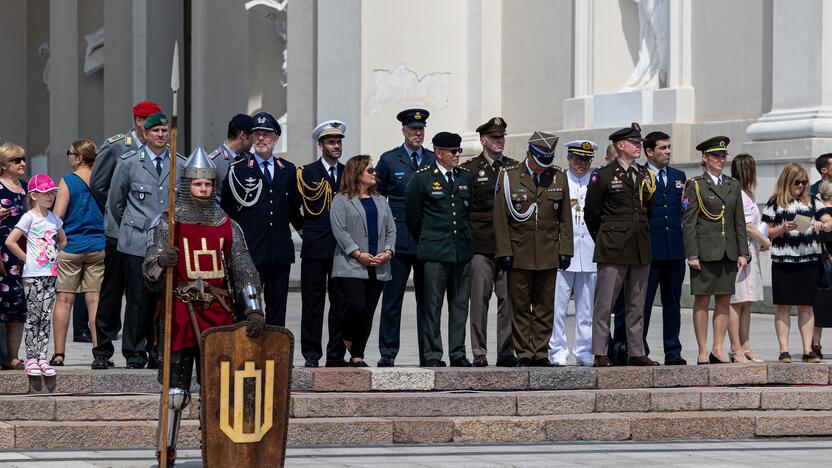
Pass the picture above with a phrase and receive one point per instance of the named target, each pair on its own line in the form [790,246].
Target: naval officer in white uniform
[579,279]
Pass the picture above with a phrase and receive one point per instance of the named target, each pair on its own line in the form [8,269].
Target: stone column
[577,111]
[301,81]
[64,71]
[799,125]
[484,68]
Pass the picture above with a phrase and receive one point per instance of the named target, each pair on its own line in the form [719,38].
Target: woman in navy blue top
[365,233]
[81,263]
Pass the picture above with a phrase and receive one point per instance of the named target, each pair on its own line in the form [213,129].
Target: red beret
[145,109]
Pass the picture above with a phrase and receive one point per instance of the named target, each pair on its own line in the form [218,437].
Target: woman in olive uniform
[716,244]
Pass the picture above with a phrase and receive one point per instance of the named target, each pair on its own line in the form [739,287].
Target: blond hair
[9,151]
[782,193]
[825,190]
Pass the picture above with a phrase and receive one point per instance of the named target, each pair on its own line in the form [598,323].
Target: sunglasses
[16,160]
[800,183]
[370,170]
[70,153]
[454,150]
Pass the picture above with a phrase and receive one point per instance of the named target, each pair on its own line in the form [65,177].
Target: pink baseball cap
[42,183]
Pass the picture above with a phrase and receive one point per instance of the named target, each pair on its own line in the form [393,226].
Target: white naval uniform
[579,279]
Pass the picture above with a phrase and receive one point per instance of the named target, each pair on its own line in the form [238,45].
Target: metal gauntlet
[252,298]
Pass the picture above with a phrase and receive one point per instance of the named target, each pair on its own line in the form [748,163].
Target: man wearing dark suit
[667,268]
[438,203]
[318,182]
[393,172]
[259,194]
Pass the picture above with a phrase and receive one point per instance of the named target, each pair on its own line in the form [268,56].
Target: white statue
[653,24]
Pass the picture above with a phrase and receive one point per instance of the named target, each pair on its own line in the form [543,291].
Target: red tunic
[199,257]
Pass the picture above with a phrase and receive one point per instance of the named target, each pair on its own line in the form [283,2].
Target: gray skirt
[714,278]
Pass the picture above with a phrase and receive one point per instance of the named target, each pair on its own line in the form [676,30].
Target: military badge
[141,196]
[680,184]
[685,203]
[593,179]
[463,187]
[497,188]
[251,163]
[573,201]
[481,173]
[482,179]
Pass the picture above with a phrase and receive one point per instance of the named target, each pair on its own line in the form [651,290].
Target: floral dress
[12,300]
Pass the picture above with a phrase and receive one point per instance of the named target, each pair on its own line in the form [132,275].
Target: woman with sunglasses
[12,207]
[365,233]
[794,221]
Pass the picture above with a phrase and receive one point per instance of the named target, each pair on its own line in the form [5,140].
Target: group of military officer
[489,226]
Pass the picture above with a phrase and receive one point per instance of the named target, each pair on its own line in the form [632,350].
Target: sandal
[752,357]
[54,361]
[32,368]
[18,366]
[45,369]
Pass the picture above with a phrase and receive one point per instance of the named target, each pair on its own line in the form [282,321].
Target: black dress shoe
[675,361]
[524,363]
[509,361]
[601,361]
[480,361]
[641,361]
[461,362]
[434,363]
[541,363]
[100,363]
[337,363]
[311,363]
[714,360]
[386,362]
[136,365]
[82,338]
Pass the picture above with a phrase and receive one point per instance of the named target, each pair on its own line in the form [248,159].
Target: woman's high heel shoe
[713,360]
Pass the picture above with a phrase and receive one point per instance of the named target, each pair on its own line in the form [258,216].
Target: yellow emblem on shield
[263,408]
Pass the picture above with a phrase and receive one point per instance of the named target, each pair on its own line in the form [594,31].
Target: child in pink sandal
[44,239]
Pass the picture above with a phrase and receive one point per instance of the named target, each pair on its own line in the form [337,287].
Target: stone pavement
[709,453]
[763,339]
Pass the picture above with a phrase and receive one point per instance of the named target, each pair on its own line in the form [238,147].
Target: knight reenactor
[212,266]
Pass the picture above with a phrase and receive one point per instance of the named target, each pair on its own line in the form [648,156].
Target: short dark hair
[822,161]
[234,131]
[651,139]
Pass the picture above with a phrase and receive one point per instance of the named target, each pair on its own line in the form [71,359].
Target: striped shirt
[793,246]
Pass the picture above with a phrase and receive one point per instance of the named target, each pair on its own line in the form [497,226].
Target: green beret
[154,120]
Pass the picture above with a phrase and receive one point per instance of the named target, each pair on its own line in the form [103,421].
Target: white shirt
[444,171]
[327,166]
[716,179]
[656,171]
[41,243]
[582,244]
[269,164]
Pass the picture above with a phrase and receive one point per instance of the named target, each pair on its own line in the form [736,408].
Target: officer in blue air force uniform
[259,194]
[318,182]
[393,172]
[667,267]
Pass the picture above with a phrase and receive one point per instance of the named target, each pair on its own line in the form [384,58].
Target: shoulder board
[129,153]
[234,163]
[214,154]
[511,167]
[180,156]
[423,169]
[727,177]
[115,138]
[463,168]
[557,168]
[285,162]
[696,177]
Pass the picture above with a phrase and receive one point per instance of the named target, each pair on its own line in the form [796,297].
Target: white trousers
[582,285]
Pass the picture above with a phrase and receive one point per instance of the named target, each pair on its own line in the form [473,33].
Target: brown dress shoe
[641,361]
[601,361]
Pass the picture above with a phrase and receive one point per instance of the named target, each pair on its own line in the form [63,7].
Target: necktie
[158,162]
[719,182]
[332,175]
[450,177]
[266,173]
[661,178]
[414,159]
[536,178]
[633,175]
[497,164]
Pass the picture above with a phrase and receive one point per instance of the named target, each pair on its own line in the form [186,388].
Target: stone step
[443,379]
[685,425]
[141,407]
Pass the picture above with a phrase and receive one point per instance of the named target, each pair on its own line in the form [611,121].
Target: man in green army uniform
[485,275]
[436,211]
[619,202]
[533,235]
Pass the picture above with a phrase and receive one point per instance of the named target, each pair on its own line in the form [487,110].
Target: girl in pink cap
[44,238]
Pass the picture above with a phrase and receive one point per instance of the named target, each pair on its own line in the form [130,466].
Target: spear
[163,423]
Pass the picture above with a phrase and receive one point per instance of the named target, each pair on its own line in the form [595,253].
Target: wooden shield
[245,396]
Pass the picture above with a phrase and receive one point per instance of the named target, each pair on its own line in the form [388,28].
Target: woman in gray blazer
[365,232]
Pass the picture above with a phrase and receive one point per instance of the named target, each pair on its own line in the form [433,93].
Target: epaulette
[511,167]
[214,154]
[237,162]
[557,168]
[463,168]
[129,153]
[180,156]
[420,170]
[115,138]
[728,177]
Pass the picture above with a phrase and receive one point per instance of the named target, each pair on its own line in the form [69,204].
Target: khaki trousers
[485,279]
[611,279]
[532,294]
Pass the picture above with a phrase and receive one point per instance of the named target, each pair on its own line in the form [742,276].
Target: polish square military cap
[446,140]
[633,132]
[265,121]
[716,146]
[495,126]
[413,117]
